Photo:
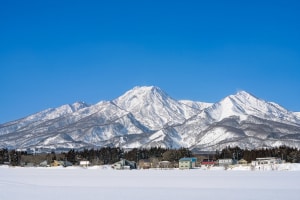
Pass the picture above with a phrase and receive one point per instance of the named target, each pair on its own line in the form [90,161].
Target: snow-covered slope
[196,105]
[147,116]
[40,117]
[154,108]
[297,114]
[243,104]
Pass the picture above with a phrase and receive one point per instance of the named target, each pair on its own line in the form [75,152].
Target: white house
[266,161]
[225,162]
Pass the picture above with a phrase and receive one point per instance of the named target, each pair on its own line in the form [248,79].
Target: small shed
[66,163]
[55,163]
[164,164]
[187,163]
[145,164]
[29,164]
[84,163]
[242,162]
[44,164]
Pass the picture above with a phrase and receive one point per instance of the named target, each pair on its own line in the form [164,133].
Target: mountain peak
[141,95]
[146,89]
[150,87]
[243,104]
[78,105]
[153,106]
[244,94]
[245,100]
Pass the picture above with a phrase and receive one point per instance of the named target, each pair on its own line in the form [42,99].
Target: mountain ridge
[147,116]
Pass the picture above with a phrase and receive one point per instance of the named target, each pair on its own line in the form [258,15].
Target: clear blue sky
[58,52]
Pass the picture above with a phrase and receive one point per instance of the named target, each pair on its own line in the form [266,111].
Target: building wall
[185,165]
[266,161]
[193,164]
[117,166]
[84,163]
[225,162]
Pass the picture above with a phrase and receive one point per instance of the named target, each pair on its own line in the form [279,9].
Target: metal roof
[189,159]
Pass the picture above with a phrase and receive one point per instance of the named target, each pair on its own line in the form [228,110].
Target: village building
[266,161]
[145,164]
[55,163]
[187,163]
[242,162]
[66,163]
[164,164]
[44,164]
[124,164]
[29,164]
[225,162]
[84,163]
[208,163]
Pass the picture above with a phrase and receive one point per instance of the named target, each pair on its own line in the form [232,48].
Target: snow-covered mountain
[154,108]
[147,116]
[297,114]
[244,104]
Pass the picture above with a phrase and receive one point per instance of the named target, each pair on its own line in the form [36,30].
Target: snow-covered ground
[104,183]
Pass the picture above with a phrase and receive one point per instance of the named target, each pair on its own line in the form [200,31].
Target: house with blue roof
[187,163]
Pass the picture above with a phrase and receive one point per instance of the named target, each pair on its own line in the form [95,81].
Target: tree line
[289,154]
[105,155]
[110,155]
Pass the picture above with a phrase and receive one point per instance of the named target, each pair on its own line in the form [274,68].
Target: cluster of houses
[184,163]
[57,163]
[191,162]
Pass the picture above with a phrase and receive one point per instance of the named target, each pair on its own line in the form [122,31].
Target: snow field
[105,184]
